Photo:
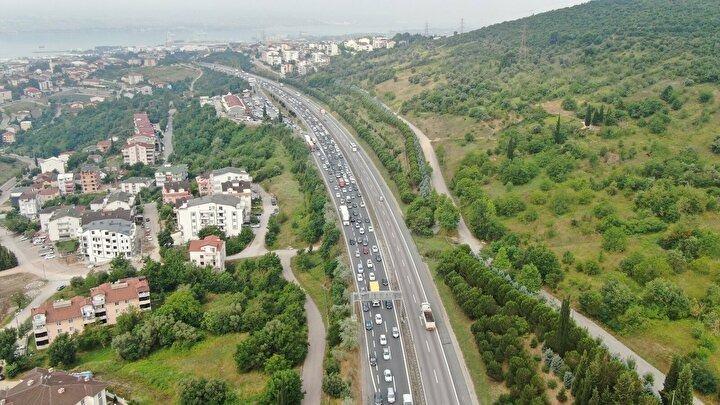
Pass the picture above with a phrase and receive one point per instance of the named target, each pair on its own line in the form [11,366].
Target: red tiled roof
[210,240]
[233,101]
[53,314]
[123,289]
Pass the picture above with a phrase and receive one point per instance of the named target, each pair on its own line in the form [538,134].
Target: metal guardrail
[413,365]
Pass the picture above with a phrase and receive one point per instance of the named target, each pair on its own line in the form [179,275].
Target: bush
[614,239]
[509,205]
[205,391]
[334,385]
[62,351]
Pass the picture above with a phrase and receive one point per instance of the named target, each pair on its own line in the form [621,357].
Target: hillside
[593,131]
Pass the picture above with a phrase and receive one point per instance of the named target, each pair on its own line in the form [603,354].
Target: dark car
[365,307]
[379,400]
[384,282]
[388,304]
[378,258]
[367,220]
[352,241]
[368,325]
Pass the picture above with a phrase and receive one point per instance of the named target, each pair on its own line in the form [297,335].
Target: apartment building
[169,172]
[138,152]
[28,204]
[64,223]
[209,251]
[133,185]
[116,200]
[241,189]
[223,211]
[66,183]
[48,386]
[106,235]
[176,191]
[46,194]
[105,303]
[52,164]
[90,178]
[220,176]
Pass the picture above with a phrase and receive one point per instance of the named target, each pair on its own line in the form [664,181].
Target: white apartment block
[53,163]
[28,205]
[169,172]
[209,251]
[220,176]
[64,224]
[66,183]
[223,211]
[102,240]
[133,185]
[139,152]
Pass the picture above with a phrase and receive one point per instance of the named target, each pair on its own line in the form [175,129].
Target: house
[66,183]
[241,189]
[105,235]
[48,386]
[204,185]
[32,92]
[5,95]
[223,211]
[220,176]
[25,125]
[90,178]
[105,303]
[28,204]
[43,180]
[9,137]
[133,78]
[104,145]
[209,251]
[116,200]
[52,164]
[133,185]
[15,194]
[138,152]
[46,194]
[169,172]
[44,216]
[175,191]
[64,223]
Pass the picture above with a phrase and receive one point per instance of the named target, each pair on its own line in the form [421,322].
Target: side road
[595,330]
[312,370]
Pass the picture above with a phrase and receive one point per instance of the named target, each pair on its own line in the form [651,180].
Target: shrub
[205,391]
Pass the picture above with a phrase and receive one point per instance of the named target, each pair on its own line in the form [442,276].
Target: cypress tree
[683,389]
[588,115]
[595,398]
[558,135]
[580,372]
[563,332]
[671,379]
[511,145]
[599,115]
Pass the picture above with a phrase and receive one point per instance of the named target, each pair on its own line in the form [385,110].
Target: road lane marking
[436,379]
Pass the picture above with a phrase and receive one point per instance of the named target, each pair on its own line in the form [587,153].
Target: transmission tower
[427,29]
[523,42]
[462,25]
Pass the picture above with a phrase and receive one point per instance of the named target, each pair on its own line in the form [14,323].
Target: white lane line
[428,346]
[436,379]
[414,299]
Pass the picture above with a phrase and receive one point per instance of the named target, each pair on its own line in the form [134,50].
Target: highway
[432,359]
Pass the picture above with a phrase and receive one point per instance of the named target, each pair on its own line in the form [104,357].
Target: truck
[374,286]
[344,215]
[341,182]
[322,111]
[428,316]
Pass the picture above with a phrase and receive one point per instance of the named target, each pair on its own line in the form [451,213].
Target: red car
[365,250]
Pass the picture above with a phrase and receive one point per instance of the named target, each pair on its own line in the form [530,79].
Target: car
[378,258]
[375,303]
[360,278]
[365,242]
[378,319]
[352,241]
[367,220]
[357,253]
[383,340]
[373,360]
[365,250]
[48,257]
[61,287]
[362,230]
[362,203]
[395,332]
[384,282]
[368,325]
[378,398]
[360,267]
[369,263]
[388,375]
[357,225]
[374,248]
[371,276]
[386,353]
[391,395]
[366,307]
[337,194]
[388,304]
[371,229]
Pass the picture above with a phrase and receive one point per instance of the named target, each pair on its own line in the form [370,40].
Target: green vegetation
[595,141]
[7,258]
[9,168]
[213,83]
[229,58]
[67,246]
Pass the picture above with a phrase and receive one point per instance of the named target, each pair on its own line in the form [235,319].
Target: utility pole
[462,25]
[427,29]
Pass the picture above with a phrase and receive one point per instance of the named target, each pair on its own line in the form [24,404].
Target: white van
[391,395]
[407,399]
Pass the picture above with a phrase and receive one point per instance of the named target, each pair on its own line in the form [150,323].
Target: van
[391,395]
[407,399]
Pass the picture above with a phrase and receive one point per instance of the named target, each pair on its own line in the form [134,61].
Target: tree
[165,238]
[558,135]
[511,145]
[8,339]
[7,258]
[212,230]
[671,379]
[284,388]
[529,276]
[202,391]
[334,385]
[62,351]
[683,394]
[447,214]
[588,115]
[182,305]
[563,331]
[614,239]
[666,299]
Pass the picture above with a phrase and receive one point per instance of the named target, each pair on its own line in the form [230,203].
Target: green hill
[592,130]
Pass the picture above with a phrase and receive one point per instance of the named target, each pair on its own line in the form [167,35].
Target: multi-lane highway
[428,361]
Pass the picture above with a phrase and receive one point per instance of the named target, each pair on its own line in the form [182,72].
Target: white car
[374,248]
[369,263]
[395,332]
[371,276]
[360,268]
[337,195]
[357,253]
[371,229]
[378,319]
[388,375]
[391,396]
[383,340]
[362,203]
[360,278]
[362,231]
[48,257]
[386,353]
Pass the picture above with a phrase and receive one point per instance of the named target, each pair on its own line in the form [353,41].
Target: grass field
[171,73]
[290,200]
[154,379]
[10,170]
[10,285]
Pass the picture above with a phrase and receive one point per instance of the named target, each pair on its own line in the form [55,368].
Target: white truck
[428,316]
[344,215]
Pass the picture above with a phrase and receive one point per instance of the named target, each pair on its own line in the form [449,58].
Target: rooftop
[42,386]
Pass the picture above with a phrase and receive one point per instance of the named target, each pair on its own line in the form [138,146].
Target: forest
[587,138]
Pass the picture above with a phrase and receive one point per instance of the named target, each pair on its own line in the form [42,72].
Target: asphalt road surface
[443,376]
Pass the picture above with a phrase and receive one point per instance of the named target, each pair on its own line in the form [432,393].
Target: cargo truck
[428,316]
[344,215]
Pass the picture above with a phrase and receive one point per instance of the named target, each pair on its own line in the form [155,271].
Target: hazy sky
[385,15]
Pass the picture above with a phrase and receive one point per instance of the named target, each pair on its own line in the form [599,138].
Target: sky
[336,15]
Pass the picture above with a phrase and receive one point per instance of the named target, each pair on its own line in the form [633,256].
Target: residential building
[66,183]
[105,303]
[48,386]
[223,211]
[220,176]
[142,124]
[15,194]
[64,223]
[52,164]
[105,235]
[175,191]
[138,152]
[133,78]
[32,92]
[133,185]
[9,137]
[104,145]
[204,185]
[26,125]
[169,172]
[209,251]
[5,95]
[241,189]
[28,204]
[46,194]
[90,178]
[116,200]
[44,216]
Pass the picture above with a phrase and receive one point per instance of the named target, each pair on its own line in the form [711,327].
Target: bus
[374,286]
